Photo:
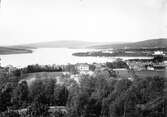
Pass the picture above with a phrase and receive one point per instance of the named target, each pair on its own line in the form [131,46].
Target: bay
[49,56]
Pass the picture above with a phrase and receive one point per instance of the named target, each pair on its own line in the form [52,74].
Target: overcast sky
[28,21]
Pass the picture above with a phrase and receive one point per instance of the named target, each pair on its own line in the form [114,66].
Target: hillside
[59,44]
[27,48]
[9,50]
[154,43]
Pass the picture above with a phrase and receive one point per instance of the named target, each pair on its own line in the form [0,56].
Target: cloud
[164,3]
[98,21]
[3,3]
[159,4]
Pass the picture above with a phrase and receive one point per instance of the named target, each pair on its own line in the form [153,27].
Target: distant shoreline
[114,54]
[10,51]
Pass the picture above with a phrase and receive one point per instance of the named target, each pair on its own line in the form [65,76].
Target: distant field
[142,73]
[147,73]
[41,75]
[8,50]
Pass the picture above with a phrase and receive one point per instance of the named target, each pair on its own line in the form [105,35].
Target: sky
[30,21]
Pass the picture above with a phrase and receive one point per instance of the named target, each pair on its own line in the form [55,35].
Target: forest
[93,96]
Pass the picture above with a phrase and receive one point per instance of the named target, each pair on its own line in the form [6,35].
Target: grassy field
[41,75]
[147,73]
[142,73]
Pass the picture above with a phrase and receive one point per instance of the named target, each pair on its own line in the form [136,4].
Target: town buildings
[156,63]
[82,68]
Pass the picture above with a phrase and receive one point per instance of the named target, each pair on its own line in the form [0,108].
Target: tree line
[37,68]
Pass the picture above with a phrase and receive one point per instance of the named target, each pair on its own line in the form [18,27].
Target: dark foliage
[10,114]
[117,64]
[99,97]
[96,96]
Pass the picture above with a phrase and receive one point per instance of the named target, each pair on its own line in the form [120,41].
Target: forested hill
[27,48]
[13,50]
[154,43]
[60,44]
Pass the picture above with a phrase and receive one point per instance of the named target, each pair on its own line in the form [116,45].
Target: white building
[158,53]
[82,67]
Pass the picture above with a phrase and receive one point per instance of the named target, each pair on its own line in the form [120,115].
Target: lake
[58,56]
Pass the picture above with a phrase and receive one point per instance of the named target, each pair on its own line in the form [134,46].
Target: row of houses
[138,66]
[156,63]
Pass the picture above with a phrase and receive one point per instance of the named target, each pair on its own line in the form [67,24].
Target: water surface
[45,56]
[58,56]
